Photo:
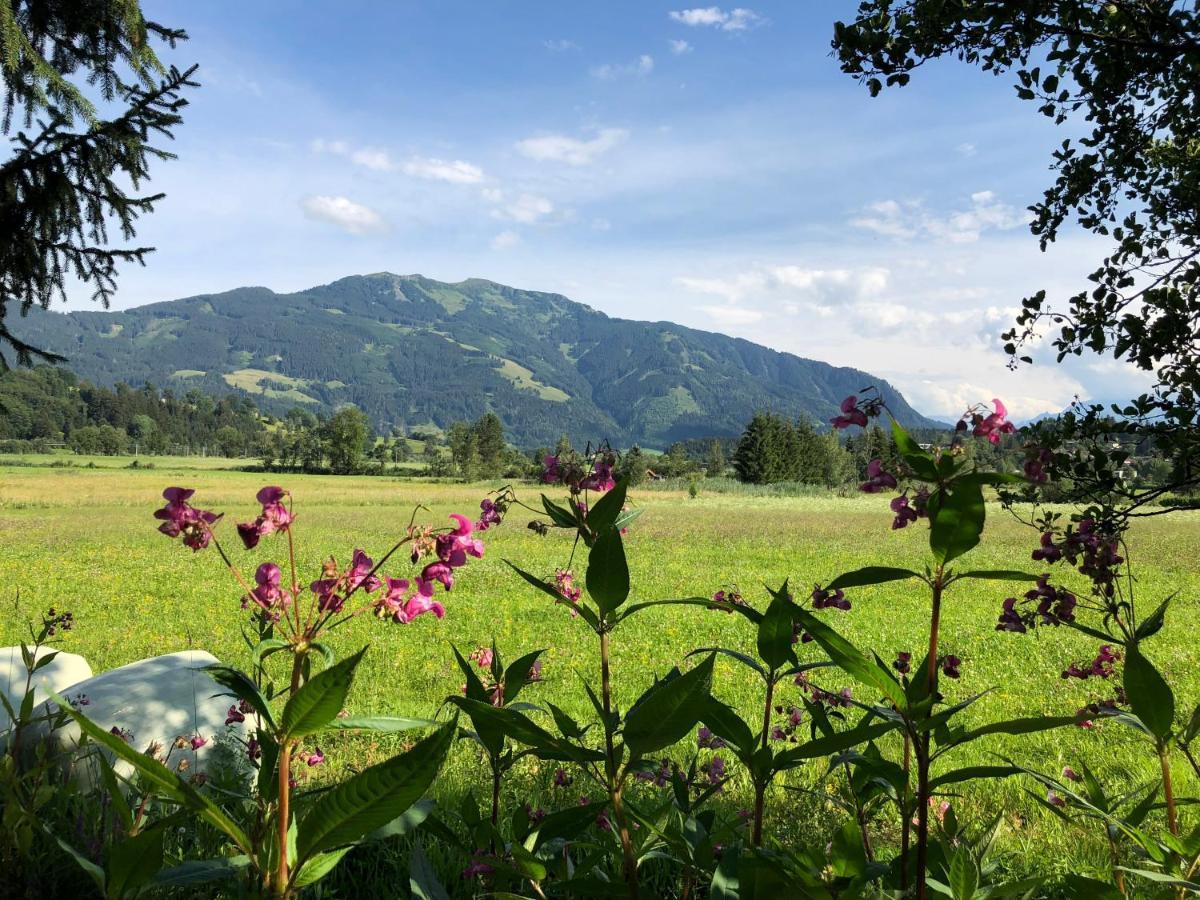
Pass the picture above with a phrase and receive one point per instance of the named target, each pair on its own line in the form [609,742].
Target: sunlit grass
[84,539]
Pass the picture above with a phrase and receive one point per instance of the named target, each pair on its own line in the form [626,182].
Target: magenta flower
[715,769]
[706,740]
[1103,666]
[951,666]
[483,657]
[478,866]
[1054,800]
[315,759]
[601,477]
[564,583]
[823,598]
[851,414]
[903,663]
[535,671]
[333,590]
[1070,774]
[877,479]
[180,518]
[993,425]
[197,742]
[267,594]
[234,715]
[550,472]
[561,778]
[489,514]
[404,607]
[253,750]
[274,517]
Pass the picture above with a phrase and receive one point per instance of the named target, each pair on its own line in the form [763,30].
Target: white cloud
[732,316]
[367,157]
[344,213]
[815,286]
[679,47]
[966,148]
[910,219]
[569,150]
[562,45]
[737,19]
[639,67]
[525,209]
[505,239]
[454,171]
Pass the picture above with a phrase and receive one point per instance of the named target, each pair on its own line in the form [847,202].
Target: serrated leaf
[370,799]
[605,511]
[607,576]
[1149,694]
[850,659]
[870,575]
[320,699]
[668,711]
[956,514]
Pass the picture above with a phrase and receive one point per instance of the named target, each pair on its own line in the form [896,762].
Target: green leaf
[158,778]
[201,871]
[725,879]
[422,880]
[1153,623]
[265,648]
[956,514]
[566,823]
[741,609]
[319,700]
[725,723]
[134,861]
[963,874]
[523,730]
[848,858]
[381,724]
[605,511]
[970,773]
[627,518]
[372,798]
[668,711]
[560,515]
[1149,694]
[834,743]
[318,867]
[93,871]
[516,676]
[775,631]
[408,821]
[920,461]
[869,575]
[998,575]
[608,572]
[243,688]
[1028,725]
[850,659]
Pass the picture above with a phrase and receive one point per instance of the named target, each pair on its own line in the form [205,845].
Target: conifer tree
[77,168]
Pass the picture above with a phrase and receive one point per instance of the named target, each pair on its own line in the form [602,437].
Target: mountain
[413,351]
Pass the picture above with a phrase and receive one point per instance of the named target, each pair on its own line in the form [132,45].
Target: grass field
[84,539]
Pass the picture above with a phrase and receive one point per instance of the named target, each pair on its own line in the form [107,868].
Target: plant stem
[905,815]
[614,783]
[495,798]
[285,788]
[760,787]
[1168,791]
[921,741]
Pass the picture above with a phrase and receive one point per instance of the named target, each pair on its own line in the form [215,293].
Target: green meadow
[84,539]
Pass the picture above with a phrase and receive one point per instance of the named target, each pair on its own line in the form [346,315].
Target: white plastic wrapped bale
[155,700]
[61,673]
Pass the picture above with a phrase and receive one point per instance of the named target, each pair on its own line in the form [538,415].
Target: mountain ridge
[413,351]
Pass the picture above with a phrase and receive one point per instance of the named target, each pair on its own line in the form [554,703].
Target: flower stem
[921,741]
[285,787]
[1169,791]
[905,815]
[760,787]
[614,781]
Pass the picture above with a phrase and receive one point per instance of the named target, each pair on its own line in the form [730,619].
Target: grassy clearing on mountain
[84,539]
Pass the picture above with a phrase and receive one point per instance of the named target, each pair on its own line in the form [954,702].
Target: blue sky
[705,165]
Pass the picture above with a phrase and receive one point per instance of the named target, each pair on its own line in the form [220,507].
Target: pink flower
[823,598]
[851,414]
[1054,800]
[993,425]
[267,593]
[489,514]
[550,469]
[333,590]
[315,759]
[402,607]
[234,715]
[1070,774]
[179,518]
[561,778]
[601,477]
[483,657]
[877,479]
[197,742]
[951,666]
[903,663]
[274,517]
